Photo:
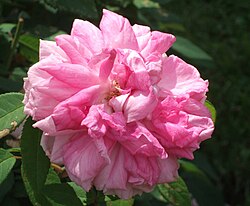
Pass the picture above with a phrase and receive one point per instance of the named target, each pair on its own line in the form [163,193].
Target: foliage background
[221,28]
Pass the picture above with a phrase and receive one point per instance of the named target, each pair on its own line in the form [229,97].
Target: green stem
[14,42]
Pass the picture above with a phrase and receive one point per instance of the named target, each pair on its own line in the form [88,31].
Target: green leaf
[176,192]
[188,49]
[129,202]
[61,195]
[212,109]
[81,194]
[52,177]
[7,161]
[7,27]
[200,186]
[29,47]
[83,8]
[35,164]
[11,112]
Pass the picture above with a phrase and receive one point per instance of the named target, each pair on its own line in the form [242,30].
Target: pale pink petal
[113,175]
[91,36]
[159,43]
[138,140]
[120,74]
[76,52]
[73,75]
[180,78]
[117,31]
[53,147]
[143,35]
[169,169]
[94,123]
[103,64]
[116,120]
[152,42]
[117,103]
[139,77]
[181,125]
[143,171]
[139,105]
[49,47]
[43,91]
[82,160]
[70,113]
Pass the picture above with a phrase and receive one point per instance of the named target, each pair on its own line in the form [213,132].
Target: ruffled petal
[180,125]
[91,36]
[143,35]
[83,161]
[180,78]
[138,140]
[73,75]
[49,47]
[53,147]
[76,52]
[139,105]
[152,42]
[169,169]
[117,31]
[159,43]
[43,91]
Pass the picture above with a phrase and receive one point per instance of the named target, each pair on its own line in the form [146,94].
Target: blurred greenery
[213,35]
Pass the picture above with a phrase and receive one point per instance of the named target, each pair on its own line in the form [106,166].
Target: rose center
[114,90]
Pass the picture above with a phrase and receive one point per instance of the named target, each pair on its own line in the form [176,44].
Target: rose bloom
[114,109]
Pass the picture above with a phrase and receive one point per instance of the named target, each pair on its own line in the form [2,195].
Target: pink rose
[114,108]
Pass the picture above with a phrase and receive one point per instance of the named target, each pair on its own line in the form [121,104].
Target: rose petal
[49,47]
[91,36]
[139,105]
[179,78]
[117,31]
[73,75]
[76,52]
[82,160]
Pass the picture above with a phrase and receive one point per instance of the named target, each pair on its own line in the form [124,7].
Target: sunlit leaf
[129,202]
[11,112]
[52,177]
[212,109]
[176,193]
[81,194]
[7,27]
